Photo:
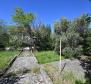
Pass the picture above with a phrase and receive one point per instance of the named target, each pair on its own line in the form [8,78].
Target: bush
[87,44]
[70,44]
[78,51]
[68,52]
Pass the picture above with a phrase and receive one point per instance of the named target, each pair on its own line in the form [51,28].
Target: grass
[46,56]
[5,58]
[64,78]
[53,73]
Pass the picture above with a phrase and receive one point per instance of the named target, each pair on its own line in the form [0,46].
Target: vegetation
[23,19]
[65,78]
[43,34]
[75,38]
[87,44]
[73,35]
[46,56]
[6,57]
[4,37]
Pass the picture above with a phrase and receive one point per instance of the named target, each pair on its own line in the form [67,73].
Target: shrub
[70,44]
[68,52]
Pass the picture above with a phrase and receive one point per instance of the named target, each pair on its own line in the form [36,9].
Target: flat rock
[73,66]
[26,70]
[31,78]
[22,64]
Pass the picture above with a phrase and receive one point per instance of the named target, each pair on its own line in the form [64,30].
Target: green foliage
[73,35]
[23,27]
[70,44]
[10,27]
[4,37]
[43,34]
[15,40]
[61,26]
[82,27]
[81,24]
[22,18]
[57,28]
[64,24]
[72,39]
[57,43]
[87,43]
[69,52]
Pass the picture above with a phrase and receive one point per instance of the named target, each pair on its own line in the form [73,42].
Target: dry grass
[57,78]
[36,70]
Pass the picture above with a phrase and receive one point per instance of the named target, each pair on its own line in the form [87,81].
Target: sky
[46,11]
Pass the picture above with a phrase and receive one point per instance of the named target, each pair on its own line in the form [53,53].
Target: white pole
[60,55]
[60,48]
[60,61]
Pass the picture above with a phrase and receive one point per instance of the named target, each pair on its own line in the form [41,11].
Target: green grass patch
[5,58]
[47,56]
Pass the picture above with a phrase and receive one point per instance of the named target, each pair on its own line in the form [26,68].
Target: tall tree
[43,34]
[61,26]
[81,24]
[23,20]
[69,38]
[4,37]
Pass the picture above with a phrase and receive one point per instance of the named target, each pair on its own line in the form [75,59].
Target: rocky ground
[65,72]
[26,70]
[67,66]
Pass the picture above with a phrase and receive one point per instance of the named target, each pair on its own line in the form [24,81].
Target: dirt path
[26,70]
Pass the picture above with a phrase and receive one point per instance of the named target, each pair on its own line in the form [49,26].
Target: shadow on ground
[9,80]
[86,64]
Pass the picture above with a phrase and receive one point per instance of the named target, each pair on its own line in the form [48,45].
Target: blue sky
[46,11]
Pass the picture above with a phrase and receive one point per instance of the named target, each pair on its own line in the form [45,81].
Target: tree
[61,26]
[87,44]
[4,37]
[71,46]
[70,39]
[81,25]
[23,20]
[57,28]
[15,40]
[43,33]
